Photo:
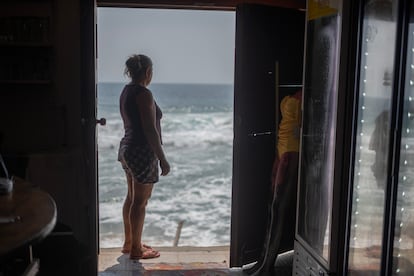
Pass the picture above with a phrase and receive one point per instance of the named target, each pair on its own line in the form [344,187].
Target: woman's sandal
[127,250]
[148,254]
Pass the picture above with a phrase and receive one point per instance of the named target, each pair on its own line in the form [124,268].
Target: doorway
[193,56]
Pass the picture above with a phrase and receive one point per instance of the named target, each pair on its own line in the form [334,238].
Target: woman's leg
[140,195]
[125,215]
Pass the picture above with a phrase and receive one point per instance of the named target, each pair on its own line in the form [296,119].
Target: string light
[359,159]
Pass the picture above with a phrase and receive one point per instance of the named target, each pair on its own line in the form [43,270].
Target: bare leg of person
[126,248]
[141,194]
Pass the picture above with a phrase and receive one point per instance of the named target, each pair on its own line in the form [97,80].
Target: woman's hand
[165,167]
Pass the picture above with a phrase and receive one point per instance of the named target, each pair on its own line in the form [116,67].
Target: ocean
[197,131]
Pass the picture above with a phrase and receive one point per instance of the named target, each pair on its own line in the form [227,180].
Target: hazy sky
[185,46]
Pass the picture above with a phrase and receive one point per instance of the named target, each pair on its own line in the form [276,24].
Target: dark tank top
[134,133]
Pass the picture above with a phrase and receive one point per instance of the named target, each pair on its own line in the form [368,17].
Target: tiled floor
[187,261]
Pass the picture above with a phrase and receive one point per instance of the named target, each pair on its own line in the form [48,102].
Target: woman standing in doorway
[140,152]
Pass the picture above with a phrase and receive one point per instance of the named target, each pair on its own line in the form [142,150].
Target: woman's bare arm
[146,105]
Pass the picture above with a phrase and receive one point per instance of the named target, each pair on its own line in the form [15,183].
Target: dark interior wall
[56,167]
[41,129]
[68,64]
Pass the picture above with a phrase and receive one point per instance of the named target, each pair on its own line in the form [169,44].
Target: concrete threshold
[172,258]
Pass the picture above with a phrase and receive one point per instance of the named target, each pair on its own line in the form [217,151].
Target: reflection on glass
[372,141]
[318,134]
[403,261]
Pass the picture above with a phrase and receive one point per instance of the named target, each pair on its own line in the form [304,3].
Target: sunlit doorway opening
[193,56]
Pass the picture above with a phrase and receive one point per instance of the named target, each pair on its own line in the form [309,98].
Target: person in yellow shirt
[282,213]
[287,156]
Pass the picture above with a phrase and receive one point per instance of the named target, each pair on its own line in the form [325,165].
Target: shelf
[25,81]
[25,29]
[25,8]
[26,44]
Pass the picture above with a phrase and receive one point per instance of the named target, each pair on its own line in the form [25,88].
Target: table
[27,215]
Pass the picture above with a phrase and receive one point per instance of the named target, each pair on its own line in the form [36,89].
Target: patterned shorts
[140,162]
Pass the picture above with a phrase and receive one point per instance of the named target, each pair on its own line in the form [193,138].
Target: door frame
[89,82]
[88,54]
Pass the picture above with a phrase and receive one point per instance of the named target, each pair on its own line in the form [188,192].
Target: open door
[268,66]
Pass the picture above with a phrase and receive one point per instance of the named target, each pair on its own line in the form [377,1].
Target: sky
[186,46]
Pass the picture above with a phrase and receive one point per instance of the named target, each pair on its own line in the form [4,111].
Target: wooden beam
[201,4]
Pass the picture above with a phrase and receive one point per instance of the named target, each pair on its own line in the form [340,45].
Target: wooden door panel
[264,36]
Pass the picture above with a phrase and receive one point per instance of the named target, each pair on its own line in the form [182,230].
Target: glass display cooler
[356,177]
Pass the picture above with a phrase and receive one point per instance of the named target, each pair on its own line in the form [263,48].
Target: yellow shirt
[288,136]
